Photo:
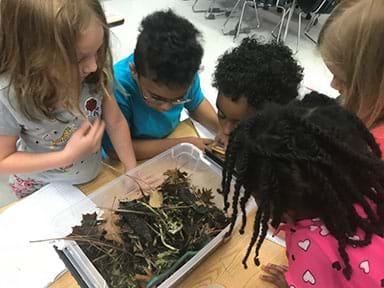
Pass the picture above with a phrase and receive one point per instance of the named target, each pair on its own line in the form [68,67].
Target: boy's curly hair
[309,155]
[168,49]
[260,72]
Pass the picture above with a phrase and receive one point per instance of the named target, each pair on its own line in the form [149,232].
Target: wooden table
[224,266]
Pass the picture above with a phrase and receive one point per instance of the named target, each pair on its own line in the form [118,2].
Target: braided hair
[309,156]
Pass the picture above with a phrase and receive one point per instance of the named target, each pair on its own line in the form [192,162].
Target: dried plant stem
[125,211]
[165,243]
[82,238]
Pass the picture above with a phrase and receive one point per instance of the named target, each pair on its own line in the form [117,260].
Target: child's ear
[133,71]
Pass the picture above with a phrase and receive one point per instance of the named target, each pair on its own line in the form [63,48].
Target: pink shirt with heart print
[314,260]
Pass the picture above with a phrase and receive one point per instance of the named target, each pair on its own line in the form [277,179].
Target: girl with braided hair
[316,174]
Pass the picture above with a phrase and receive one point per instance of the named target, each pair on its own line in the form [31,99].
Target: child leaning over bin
[316,174]
[158,81]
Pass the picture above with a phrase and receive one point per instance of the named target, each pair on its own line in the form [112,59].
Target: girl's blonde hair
[352,45]
[38,40]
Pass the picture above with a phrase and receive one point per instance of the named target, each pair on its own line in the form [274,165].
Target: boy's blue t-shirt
[145,122]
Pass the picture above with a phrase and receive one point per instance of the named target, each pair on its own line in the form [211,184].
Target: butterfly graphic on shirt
[55,141]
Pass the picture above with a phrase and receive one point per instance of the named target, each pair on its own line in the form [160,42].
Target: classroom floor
[316,75]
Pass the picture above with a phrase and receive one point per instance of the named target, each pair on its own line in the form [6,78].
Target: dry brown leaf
[206,196]
[155,198]
[112,230]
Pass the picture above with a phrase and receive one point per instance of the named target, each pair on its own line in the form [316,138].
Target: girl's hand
[85,141]
[275,275]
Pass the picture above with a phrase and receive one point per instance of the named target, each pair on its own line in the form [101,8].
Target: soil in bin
[145,237]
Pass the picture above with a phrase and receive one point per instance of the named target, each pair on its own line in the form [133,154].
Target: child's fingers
[221,139]
[207,141]
[270,271]
[217,141]
[96,130]
[151,180]
[274,270]
[90,130]
[275,275]
[100,130]
[148,180]
[270,279]
[84,128]
[280,268]
[99,135]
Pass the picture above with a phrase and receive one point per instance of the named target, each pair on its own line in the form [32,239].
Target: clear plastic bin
[203,173]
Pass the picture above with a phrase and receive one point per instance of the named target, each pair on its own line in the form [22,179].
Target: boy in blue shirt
[158,81]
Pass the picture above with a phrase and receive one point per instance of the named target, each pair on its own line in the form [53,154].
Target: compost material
[144,238]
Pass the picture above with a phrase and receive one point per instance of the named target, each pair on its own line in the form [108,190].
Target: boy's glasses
[162,100]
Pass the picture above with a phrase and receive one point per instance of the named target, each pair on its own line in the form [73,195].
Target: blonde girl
[351,43]
[55,83]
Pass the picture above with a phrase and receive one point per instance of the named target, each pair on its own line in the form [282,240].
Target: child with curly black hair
[158,81]
[250,75]
[316,174]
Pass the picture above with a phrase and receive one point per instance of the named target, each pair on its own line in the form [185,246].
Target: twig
[80,238]
[125,211]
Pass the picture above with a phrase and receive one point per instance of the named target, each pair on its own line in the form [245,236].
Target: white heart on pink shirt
[324,231]
[313,227]
[291,286]
[355,237]
[304,244]
[309,278]
[364,266]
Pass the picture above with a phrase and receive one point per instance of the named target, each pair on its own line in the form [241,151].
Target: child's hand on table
[222,139]
[275,275]
[200,143]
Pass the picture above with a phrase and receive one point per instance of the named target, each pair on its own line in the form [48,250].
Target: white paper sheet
[25,264]
[276,239]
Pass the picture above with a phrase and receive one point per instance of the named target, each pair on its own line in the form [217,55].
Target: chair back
[317,6]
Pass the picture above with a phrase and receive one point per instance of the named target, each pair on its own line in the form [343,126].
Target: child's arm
[206,115]
[146,149]
[200,109]
[84,141]
[118,131]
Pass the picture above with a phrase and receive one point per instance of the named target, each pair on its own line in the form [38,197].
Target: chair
[280,4]
[318,8]
[210,11]
[250,3]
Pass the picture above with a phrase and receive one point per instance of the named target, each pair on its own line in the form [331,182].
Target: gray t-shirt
[51,135]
